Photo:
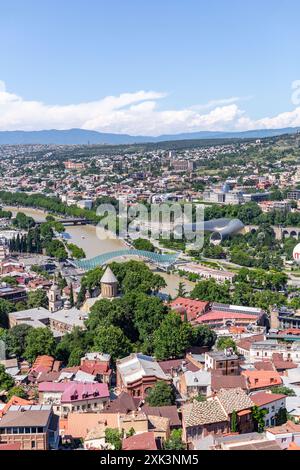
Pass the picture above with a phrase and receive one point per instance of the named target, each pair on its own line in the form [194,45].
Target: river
[85,236]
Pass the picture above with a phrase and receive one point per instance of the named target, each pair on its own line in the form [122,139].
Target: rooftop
[221,356]
[234,400]
[72,317]
[26,415]
[261,378]
[109,277]
[75,391]
[144,441]
[137,366]
[264,398]
[218,315]
[200,413]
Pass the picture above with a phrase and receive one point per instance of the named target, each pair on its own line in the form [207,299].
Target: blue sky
[217,64]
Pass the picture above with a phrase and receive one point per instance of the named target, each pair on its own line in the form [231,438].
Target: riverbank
[96,241]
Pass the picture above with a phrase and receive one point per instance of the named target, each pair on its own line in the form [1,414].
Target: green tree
[17,391]
[6,307]
[37,298]
[78,340]
[56,249]
[162,394]
[175,441]
[76,252]
[16,340]
[148,315]
[39,342]
[258,416]
[81,296]
[280,389]
[234,422]
[281,417]
[143,245]
[92,279]
[181,292]
[111,340]
[211,291]
[119,313]
[6,380]
[71,295]
[75,357]
[136,276]
[226,343]
[10,281]
[204,336]
[265,299]
[172,338]
[114,438]
[131,432]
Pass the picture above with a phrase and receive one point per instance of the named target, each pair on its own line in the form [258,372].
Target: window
[33,444]
[40,430]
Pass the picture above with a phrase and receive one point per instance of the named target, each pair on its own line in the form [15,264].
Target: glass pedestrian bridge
[162,261]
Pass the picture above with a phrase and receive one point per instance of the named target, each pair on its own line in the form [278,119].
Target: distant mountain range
[83,137]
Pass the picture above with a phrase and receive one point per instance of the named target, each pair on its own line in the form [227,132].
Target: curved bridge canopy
[163,261]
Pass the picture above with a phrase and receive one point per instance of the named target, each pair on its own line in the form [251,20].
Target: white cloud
[222,102]
[133,113]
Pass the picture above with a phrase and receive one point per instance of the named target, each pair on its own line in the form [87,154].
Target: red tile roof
[261,378]
[288,427]
[192,308]
[94,369]
[264,365]
[264,398]
[215,315]
[247,342]
[144,441]
[44,364]
[282,364]
[227,381]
